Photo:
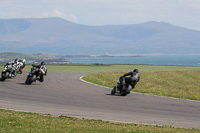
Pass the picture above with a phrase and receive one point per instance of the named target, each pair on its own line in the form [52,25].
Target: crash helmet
[135,70]
[23,60]
[42,63]
[16,60]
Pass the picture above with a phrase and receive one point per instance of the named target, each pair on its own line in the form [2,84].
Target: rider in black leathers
[43,68]
[134,77]
[132,80]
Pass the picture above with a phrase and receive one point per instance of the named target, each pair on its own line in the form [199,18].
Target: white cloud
[73,18]
[54,13]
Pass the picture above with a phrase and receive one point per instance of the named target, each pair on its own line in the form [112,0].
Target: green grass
[20,122]
[179,84]
[115,68]
[84,68]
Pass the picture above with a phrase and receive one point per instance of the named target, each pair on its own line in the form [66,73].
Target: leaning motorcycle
[123,88]
[36,73]
[8,72]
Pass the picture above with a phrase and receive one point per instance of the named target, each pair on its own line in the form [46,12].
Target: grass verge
[96,68]
[178,84]
[15,122]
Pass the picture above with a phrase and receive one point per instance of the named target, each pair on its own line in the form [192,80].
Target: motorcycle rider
[134,76]
[18,65]
[14,65]
[43,68]
[21,64]
[132,80]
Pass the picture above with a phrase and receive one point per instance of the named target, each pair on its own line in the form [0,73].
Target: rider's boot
[12,75]
[9,76]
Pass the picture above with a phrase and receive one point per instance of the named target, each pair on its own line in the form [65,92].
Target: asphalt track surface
[66,94]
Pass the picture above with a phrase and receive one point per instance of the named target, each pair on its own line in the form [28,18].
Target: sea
[171,60]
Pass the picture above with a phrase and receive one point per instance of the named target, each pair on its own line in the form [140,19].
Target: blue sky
[184,13]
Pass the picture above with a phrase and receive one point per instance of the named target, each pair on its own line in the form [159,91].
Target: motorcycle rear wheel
[126,91]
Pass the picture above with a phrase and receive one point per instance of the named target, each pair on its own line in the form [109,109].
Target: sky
[184,13]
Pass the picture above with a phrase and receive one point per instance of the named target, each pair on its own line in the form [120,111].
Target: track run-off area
[66,94]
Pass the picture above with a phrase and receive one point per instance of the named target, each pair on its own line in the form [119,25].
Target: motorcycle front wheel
[30,80]
[113,91]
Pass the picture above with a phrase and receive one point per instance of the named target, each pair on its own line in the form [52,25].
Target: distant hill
[6,57]
[59,36]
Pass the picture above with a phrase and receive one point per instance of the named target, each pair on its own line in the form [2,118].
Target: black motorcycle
[9,71]
[37,73]
[123,87]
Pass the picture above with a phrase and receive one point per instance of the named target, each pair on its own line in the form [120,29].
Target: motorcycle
[123,88]
[9,71]
[37,73]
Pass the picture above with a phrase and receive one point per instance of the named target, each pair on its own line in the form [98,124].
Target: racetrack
[65,94]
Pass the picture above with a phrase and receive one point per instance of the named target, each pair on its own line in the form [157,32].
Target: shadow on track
[26,84]
[114,95]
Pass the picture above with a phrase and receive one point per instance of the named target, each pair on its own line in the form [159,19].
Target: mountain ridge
[60,36]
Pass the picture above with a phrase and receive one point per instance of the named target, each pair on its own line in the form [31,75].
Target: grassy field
[175,81]
[19,122]
[95,68]
[178,84]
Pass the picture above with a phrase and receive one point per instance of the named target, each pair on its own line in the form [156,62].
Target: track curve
[65,94]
